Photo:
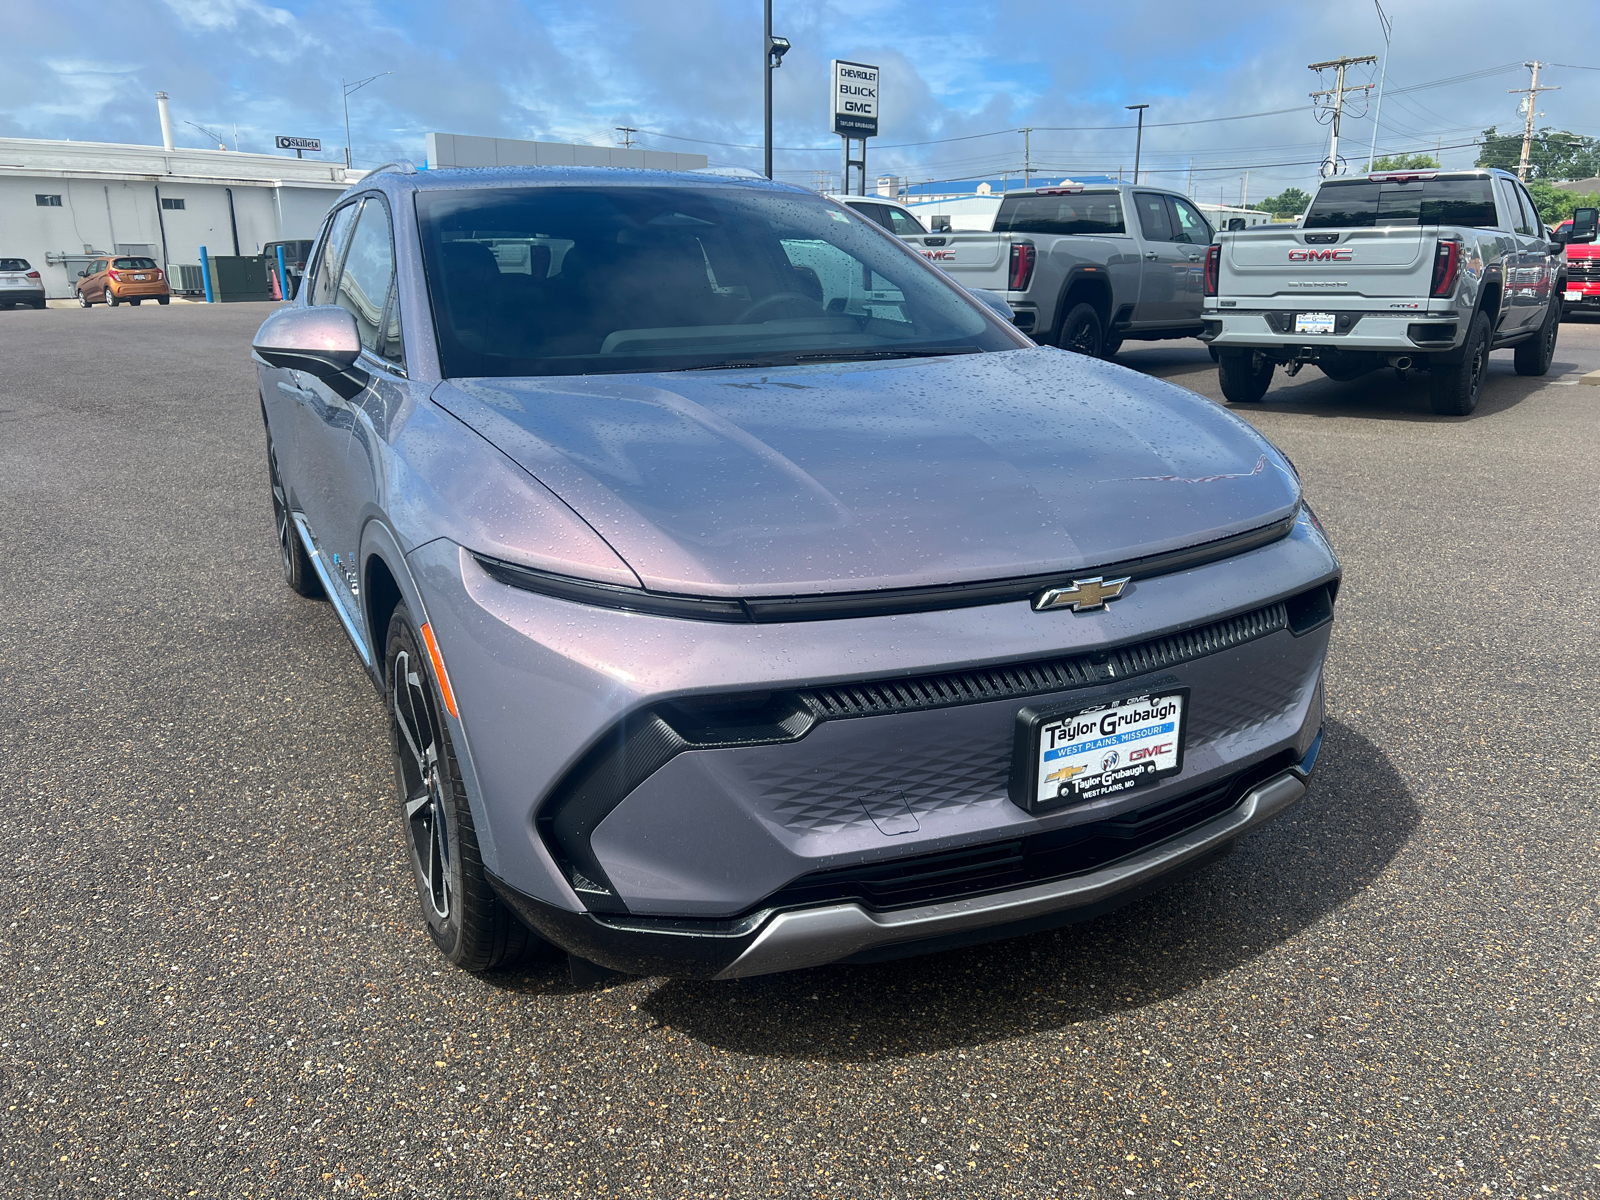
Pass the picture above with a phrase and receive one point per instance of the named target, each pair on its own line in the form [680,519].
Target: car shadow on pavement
[1290,876]
[1383,396]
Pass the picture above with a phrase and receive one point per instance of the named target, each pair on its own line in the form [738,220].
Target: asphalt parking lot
[217,983]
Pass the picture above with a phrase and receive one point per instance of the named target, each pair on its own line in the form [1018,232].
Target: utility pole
[1531,102]
[1138,140]
[1027,157]
[627,132]
[1383,74]
[1338,91]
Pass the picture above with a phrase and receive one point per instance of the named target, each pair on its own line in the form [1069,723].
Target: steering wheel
[752,314]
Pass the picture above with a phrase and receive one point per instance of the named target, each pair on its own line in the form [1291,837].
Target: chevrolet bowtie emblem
[1082,594]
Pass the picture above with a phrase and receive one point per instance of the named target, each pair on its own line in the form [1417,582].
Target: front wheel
[1454,389]
[465,918]
[1080,331]
[83,301]
[1533,356]
[1243,382]
[1109,346]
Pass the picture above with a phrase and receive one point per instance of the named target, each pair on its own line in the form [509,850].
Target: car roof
[463,178]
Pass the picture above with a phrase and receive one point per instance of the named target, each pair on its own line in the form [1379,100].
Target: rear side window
[1085,213]
[366,288]
[13,264]
[1153,220]
[1367,203]
[326,288]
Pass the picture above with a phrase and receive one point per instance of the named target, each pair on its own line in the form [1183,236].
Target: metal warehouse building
[63,203]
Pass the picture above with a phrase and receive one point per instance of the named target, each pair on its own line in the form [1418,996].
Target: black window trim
[326,236]
[393,298]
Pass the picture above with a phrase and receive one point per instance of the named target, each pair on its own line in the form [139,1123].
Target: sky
[1229,116]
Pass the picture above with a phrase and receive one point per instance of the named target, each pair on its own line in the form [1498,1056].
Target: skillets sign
[855,99]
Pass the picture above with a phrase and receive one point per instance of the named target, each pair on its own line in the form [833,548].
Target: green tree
[1552,154]
[1407,162]
[1555,204]
[1286,203]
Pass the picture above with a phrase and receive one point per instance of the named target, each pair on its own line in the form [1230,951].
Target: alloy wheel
[422,780]
[280,514]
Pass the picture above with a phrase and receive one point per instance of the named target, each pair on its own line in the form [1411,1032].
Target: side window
[367,283]
[902,223]
[1187,223]
[1511,209]
[326,288]
[1530,211]
[1153,218]
[876,213]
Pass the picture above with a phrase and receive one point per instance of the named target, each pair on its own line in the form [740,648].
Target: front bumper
[624,835]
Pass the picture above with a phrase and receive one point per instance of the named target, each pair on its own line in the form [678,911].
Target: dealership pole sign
[855,113]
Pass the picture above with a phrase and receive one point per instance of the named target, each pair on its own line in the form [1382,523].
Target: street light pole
[1138,141]
[774,48]
[347,89]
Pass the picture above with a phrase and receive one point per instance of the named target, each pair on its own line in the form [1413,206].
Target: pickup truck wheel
[1242,381]
[1454,389]
[1080,331]
[1109,345]
[1534,355]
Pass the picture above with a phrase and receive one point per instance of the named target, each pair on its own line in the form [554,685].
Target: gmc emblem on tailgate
[1321,256]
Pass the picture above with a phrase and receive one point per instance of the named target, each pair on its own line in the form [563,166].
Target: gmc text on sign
[855,99]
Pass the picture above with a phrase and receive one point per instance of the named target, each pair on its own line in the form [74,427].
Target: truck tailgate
[1285,264]
[977,260]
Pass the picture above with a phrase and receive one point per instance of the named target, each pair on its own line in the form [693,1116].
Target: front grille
[1019,862]
[881,697]
[1583,270]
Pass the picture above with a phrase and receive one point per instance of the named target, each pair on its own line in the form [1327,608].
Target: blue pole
[283,278]
[205,272]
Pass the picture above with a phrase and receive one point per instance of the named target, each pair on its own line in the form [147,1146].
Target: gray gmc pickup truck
[1085,266]
[1426,270]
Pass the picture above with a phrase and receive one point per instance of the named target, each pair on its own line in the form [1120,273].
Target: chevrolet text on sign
[855,99]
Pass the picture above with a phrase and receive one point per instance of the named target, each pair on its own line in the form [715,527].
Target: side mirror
[320,341]
[83,274]
[1585,225]
[995,303]
[1235,224]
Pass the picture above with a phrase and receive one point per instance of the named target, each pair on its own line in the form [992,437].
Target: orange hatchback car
[122,278]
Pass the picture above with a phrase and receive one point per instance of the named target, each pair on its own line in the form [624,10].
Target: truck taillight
[1213,267]
[1022,254]
[1446,266]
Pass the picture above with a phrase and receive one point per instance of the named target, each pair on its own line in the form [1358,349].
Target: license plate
[1072,755]
[1574,295]
[1313,323]
[140,278]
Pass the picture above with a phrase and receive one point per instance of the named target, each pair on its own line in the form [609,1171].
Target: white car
[891,216]
[20,284]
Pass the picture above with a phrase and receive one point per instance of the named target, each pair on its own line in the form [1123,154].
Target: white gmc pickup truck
[1426,270]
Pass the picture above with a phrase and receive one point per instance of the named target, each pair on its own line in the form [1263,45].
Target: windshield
[599,280]
[135,264]
[1366,203]
[1082,213]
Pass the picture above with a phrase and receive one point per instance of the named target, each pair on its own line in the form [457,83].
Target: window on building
[47,201]
[171,202]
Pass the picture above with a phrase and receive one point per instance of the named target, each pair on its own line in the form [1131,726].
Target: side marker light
[438,670]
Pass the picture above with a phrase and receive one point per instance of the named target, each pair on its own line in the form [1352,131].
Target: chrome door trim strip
[814,936]
[346,617]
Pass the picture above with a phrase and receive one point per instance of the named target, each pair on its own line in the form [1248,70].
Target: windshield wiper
[856,355]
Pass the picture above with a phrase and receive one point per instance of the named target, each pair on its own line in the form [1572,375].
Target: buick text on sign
[855,99]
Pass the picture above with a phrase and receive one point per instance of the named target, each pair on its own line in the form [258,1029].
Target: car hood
[853,476]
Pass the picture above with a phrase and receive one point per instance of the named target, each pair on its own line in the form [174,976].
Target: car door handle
[1152,255]
[1194,258]
[294,391]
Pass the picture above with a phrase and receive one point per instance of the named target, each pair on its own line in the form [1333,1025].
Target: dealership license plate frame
[1313,322]
[1027,751]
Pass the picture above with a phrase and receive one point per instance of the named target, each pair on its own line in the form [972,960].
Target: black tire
[136,303]
[39,305]
[1242,381]
[298,572]
[163,300]
[111,299]
[1454,389]
[1109,345]
[1533,356]
[84,301]
[466,920]
[1216,355]
[1080,331]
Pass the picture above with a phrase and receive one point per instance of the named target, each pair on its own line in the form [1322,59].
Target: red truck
[1583,273]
